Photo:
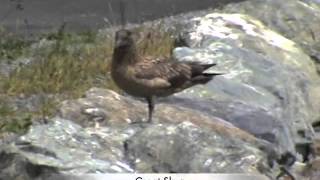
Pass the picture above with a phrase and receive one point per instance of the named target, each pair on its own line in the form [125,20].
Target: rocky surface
[108,108]
[62,145]
[296,20]
[265,105]
[268,90]
[289,20]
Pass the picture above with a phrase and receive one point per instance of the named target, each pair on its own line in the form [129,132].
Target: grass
[67,64]
[16,124]
[9,122]
[61,71]
[11,47]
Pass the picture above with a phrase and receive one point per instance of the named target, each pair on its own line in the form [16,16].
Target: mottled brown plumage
[150,77]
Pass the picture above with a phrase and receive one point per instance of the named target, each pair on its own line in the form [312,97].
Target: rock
[186,148]
[270,84]
[61,146]
[16,166]
[113,109]
[289,20]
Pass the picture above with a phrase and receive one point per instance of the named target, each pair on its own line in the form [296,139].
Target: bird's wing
[163,73]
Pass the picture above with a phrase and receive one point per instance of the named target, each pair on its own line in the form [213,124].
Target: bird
[150,77]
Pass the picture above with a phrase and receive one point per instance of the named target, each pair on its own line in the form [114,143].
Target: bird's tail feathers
[207,66]
[205,78]
[213,74]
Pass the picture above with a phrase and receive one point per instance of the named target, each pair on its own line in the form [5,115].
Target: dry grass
[61,70]
[70,64]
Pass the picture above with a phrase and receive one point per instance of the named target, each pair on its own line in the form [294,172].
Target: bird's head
[124,39]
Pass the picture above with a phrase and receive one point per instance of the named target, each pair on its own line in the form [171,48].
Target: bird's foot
[142,123]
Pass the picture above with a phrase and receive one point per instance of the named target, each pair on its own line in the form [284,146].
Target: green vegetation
[10,122]
[16,124]
[11,47]
[65,64]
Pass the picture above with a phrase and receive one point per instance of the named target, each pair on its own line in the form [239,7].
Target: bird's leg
[150,101]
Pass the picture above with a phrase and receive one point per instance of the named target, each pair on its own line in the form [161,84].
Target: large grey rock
[18,167]
[61,146]
[111,109]
[297,20]
[68,147]
[187,148]
[270,87]
[286,17]
[182,140]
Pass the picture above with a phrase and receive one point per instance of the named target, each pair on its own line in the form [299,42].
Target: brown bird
[151,77]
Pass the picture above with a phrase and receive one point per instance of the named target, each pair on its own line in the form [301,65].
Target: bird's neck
[128,55]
